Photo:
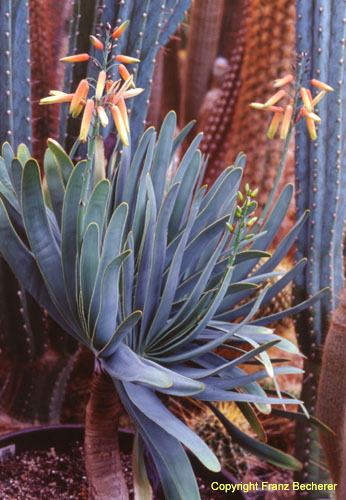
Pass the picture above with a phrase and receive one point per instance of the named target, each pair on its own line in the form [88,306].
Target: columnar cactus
[15,107]
[219,114]
[320,187]
[269,53]
[202,48]
[331,406]
[46,36]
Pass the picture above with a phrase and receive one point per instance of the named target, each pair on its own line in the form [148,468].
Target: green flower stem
[86,179]
[285,150]
[239,232]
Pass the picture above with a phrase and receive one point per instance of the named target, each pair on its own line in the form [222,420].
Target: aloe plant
[26,60]
[153,289]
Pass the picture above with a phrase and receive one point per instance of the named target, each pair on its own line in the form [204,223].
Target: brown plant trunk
[102,457]
[331,401]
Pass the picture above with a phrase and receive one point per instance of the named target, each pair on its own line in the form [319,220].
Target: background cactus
[320,187]
[47,44]
[268,54]
[331,405]
[15,106]
[202,49]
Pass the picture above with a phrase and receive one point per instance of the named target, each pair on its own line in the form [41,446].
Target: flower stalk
[290,116]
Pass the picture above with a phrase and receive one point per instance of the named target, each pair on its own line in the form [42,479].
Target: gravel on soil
[40,475]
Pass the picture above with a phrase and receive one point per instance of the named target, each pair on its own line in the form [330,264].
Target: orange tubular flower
[100,84]
[132,92]
[280,82]
[306,98]
[53,99]
[310,122]
[120,126]
[118,31]
[317,98]
[123,110]
[275,98]
[102,115]
[286,121]
[126,59]
[311,128]
[321,85]
[125,74]
[258,105]
[86,121]
[75,58]
[81,93]
[96,42]
[274,124]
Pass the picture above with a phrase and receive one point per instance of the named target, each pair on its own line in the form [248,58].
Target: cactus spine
[320,187]
[15,107]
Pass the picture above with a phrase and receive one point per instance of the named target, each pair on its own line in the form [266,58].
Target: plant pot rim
[61,436]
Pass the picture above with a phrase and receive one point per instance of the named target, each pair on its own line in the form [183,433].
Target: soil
[39,475]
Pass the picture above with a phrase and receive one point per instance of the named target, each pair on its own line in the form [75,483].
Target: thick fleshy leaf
[97,204]
[128,276]
[8,155]
[173,466]
[64,162]
[135,169]
[28,273]
[197,351]
[158,256]
[89,259]
[173,274]
[261,450]
[55,185]
[273,291]
[106,322]
[124,364]
[181,136]
[251,417]
[162,156]
[23,153]
[182,204]
[301,417]
[4,175]
[148,403]
[212,393]
[16,174]
[141,484]
[145,252]
[120,333]
[221,203]
[112,245]
[182,385]
[179,320]
[250,254]
[267,320]
[69,238]
[139,214]
[40,236]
